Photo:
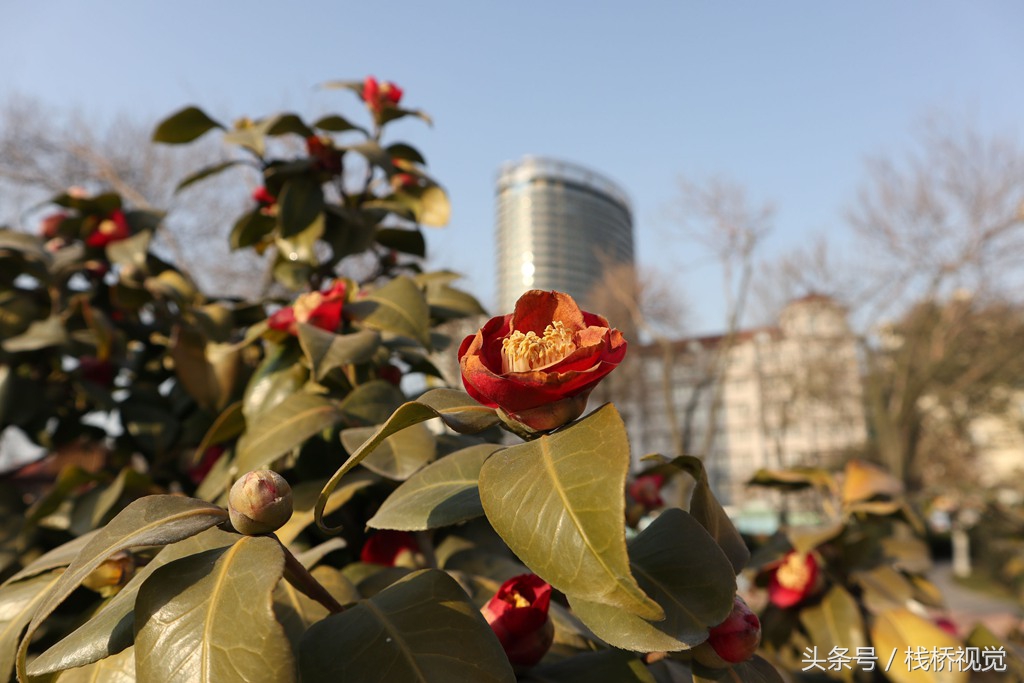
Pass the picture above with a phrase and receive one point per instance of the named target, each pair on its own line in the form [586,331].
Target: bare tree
[44,151]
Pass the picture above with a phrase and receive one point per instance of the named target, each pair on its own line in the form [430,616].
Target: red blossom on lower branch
[794,580]
[113,228]
[518,615]
[736,639]
[388,547]
[320,309]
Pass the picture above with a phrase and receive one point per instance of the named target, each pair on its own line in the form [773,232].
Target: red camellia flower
[327,158]
[210,457]
[518,615]
[263,197]
[320,309]
[540,363]
[646,490]
[113,228]
[736,639]
[793,580]
[380,96]
[387,547]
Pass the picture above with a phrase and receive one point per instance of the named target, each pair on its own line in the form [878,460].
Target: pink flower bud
[518,615]
[260,502]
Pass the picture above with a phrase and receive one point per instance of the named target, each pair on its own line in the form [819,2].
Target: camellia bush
[243,490]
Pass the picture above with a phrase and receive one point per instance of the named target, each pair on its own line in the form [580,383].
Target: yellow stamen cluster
[517,600]
[306,304]
[108,227]
[794,573]
[525,352]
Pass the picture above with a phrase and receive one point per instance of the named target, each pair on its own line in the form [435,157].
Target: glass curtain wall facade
[558,225]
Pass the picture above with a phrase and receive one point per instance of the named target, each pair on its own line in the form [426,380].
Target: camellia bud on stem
[518,615]
[260,502]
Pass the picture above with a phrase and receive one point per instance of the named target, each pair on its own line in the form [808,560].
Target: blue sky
[787,98]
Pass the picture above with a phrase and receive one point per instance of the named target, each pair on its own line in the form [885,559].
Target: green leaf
[375,155]
[608,666]
[206,172]
[900,629]
[448,303]
[706,509]
[304,497]
[400,239]
[754,670]
[153,520]
[456,409]
[288,425]
[884,588]
[398,307]
[297,613]
[282,124]
[336,124]
[228,425]
[441,494]
[430,204]
[400,150]
[558,503]
[279,376]
[119,668]
[206,371]
[184,126]
[326,350]
[41,334]
[61,556]
[835,622]
[300,203]
[421,629]
[677,563]
[372,403]
[113,628]
[209,618]
[251,228]
[400,455]
[18,603]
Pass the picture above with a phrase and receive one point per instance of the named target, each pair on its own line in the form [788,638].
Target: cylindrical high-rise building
[559,225]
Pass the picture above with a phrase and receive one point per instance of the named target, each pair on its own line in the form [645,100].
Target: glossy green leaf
[18,603]
[300,202]
[251,228]
[835,622]
[276,378]
[41,334]
[754,670]
[206,371]
[336,124]
[61,556]
[900,629]
[608,666]
[430,204]
[228,425]
[209,618]
[297,612]
[372,403]
[422,629]
[456,409]
[558,503]
[884,588]
[706,509]
[119,668]
[326,350]
[441,494]
[400,150]
[112,629]
[374,154]
[398,307]
[131,252]
[288,425]
[405,241]
[400,455]
[679,565]
[184,126]
[206,172]
[448,303]
[153,520]
[281,124]
[304,498]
